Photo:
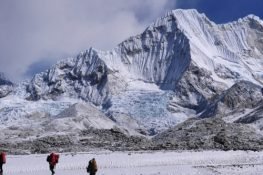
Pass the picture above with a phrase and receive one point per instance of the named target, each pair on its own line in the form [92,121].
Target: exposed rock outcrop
[211,133]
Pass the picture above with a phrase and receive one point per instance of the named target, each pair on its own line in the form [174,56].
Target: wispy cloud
[36,29]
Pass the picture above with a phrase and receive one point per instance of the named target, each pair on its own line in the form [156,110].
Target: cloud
[38,66]
[35,29]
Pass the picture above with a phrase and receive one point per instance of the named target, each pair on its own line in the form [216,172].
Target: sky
[34,34]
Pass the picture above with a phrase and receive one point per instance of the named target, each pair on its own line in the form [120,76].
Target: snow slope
[143,163]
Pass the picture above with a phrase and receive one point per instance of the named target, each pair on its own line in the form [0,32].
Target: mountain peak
[186,12]
[252,17]
[252,20]
[181,15]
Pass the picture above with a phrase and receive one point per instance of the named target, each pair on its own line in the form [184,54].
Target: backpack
[48,158]
[89,167]
[3,158]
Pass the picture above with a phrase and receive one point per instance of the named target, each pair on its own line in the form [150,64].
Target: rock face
[211,133]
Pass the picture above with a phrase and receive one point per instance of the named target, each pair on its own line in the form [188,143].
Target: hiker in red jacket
[52,160]
[2,161]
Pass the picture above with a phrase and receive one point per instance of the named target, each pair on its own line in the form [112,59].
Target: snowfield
[143,163]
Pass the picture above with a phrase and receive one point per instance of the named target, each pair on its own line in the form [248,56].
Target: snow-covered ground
[143,163]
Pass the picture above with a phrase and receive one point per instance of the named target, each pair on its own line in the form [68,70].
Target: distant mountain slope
[182,66]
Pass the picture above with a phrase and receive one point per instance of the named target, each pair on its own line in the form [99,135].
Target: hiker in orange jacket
[52,160]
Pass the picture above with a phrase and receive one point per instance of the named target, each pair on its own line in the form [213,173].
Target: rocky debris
[87,140]
[113,139]
[242,95]
[193,134]
[59,143]
[52,143]
[127,123]
[210,133]
[255,117]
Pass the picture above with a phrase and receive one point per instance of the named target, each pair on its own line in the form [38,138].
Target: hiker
[52,159]
[92,167]
[2,161]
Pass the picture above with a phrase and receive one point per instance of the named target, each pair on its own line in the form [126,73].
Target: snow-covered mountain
[183,65]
